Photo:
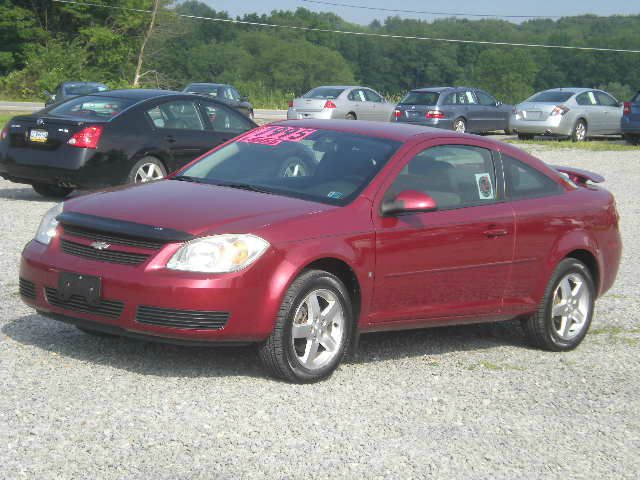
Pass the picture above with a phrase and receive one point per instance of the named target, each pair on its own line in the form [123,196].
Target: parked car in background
[578,113]
[73,89]
[110,138]
[341,102]
[396,227]
[223,93]
[631,120]
[462,109]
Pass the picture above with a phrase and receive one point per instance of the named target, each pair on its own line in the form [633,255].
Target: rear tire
[350,116]
[579,132]
[460,125]
[146,169]
[312,329]
[51,191]
[565,312]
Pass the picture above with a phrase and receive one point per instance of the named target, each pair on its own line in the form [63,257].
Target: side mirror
[409,201]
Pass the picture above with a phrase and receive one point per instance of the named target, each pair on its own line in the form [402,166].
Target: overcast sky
[501,7]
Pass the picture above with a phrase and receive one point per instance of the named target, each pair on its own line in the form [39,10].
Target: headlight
[218,254]
[47,229]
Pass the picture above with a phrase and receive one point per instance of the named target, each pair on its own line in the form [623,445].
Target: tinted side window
[485,99]
[450,99]
[180,114]
[586,99]
[523,181]
[372,96]
[606,100]
[454,175]
[224,119]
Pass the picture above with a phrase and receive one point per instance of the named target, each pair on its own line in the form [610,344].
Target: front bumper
[556,125]
[244,296]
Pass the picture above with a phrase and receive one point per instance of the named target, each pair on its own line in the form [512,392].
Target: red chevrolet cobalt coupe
[301,235]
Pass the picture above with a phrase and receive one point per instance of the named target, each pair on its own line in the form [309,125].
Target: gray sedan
[462,109]
[570,112]
[342,102]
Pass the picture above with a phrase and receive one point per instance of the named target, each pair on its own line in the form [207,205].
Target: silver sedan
[578,113]
[340,101]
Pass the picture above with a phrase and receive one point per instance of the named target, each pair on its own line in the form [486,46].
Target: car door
[380,109]
[591,111]
[612,113]
[223,123]
[472,111]
[453,262]
[358,104]
[180,129]
[493,118]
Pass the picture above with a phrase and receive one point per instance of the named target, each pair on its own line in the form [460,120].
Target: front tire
[579,132]
[565,312]
[312,329]
[146,169]
[52,191]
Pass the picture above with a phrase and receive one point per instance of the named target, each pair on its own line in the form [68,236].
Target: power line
[449,14]
[362,34]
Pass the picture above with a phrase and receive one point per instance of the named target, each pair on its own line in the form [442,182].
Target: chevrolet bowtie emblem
[100,245]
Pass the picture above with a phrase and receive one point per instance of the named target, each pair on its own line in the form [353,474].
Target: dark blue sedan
[631,120]
[68,90]
[462,109]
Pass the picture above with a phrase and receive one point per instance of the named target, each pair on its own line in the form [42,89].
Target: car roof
[569,89]
[206,84]
[433,89]
[340,86]
[395,131]
[81,83]
[138,93]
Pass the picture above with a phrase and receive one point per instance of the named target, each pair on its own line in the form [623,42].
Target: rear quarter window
[523,181]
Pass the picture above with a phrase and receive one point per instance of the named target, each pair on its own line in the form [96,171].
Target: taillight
[86,138]
[5,132]
[627,108]
[434,114]
[559,110]
[329,104]
[397,113]
[290,103]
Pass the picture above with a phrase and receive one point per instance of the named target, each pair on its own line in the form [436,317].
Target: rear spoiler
[579,176]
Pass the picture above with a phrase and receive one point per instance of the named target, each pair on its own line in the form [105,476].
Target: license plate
[79,284]
[533,115]
[38,136]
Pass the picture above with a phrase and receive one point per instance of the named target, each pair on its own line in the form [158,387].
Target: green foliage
[43,43]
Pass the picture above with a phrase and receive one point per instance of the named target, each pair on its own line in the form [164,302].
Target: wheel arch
[352,113]
[589,259]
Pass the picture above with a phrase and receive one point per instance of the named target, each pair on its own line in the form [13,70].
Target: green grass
[592,145]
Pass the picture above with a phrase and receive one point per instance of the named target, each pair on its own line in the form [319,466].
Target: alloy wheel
[148,172]
[460,126]
[570,306]
[581,131]
[317,329]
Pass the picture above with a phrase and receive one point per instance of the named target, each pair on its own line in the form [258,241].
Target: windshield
[324,93]
[211,90]
[319,165]
[551,97]
[92,107]
[420,98]
[84,89]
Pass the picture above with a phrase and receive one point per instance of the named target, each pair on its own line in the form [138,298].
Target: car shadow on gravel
[23,193]
[157,359]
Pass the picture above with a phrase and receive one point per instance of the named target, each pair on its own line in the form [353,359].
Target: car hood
[194,208]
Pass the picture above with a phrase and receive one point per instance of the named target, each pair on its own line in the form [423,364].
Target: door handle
[170,139]
[495,232]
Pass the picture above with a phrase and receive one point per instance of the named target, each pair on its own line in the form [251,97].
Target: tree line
[43,43]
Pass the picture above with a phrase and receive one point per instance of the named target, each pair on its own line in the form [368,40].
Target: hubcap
[581,131]
[460,126]
[147,173]
[571,305]
[317,330]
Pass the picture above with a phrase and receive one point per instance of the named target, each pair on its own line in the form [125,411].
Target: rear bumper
[243,299]
[445,123]
[295,114]
[556,125]
[629,126]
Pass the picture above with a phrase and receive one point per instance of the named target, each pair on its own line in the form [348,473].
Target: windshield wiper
[244,186]
[186,178]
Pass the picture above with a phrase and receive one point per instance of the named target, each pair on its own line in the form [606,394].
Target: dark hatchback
[223,93]
[630,122]
[111,138]
[462,109]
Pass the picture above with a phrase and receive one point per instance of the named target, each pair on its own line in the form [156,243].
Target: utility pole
[147,35]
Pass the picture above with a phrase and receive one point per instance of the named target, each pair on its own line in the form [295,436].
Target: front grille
[116,239]
[112,256]
[107,308]
[187,319]
[27,289]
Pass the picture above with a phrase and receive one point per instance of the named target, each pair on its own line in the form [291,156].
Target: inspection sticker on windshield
[485,188]
[276,135]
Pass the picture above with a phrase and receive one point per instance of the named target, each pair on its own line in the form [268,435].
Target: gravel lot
[459,402]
